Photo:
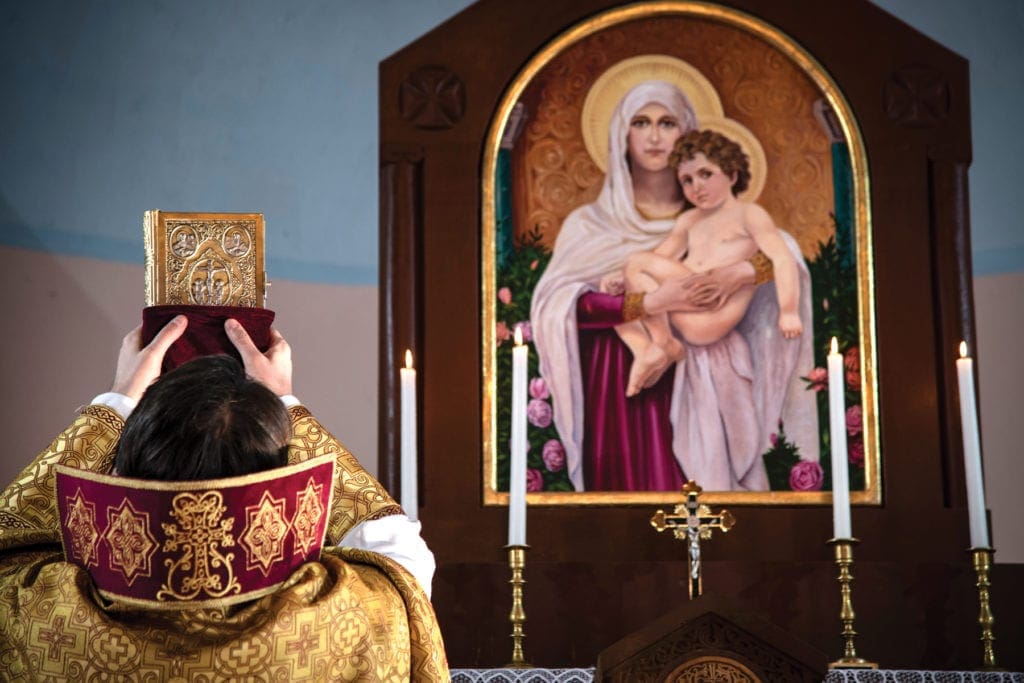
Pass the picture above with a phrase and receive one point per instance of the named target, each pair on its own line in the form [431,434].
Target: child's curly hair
[720,150]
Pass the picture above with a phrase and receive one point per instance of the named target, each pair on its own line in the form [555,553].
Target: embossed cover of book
[204,259]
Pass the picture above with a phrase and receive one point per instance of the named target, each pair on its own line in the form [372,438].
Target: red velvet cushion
[205,335]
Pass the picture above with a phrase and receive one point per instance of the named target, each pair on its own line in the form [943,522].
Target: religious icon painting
[676,217]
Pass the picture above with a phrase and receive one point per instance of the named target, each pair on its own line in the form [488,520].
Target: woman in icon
[707,417]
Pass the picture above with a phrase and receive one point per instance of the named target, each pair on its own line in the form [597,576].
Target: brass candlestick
[982,564]
[516,562]
[844,558]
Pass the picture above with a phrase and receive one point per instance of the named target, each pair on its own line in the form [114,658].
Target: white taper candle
[837,435]
[972,450]
[409,480]
[517,463]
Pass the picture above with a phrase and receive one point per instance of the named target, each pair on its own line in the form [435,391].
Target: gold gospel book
[204,259]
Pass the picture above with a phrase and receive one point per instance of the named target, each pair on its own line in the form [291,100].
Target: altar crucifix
[693,522]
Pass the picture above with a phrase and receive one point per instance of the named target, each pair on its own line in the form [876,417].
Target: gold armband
[633,306]
[764,271]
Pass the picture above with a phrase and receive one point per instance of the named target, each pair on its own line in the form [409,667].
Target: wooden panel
[401,218]
[951,254]
[597,574]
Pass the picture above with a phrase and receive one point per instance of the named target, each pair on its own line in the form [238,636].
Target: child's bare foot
[644,365]
[651,364]
[674,352]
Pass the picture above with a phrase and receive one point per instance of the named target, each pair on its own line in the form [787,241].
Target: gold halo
[611,86]
[741,135]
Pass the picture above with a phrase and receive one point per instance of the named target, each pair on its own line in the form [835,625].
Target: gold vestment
[354,615]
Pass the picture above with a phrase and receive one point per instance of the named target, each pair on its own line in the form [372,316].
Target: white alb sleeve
[397,537]
[119,403]
[290,401]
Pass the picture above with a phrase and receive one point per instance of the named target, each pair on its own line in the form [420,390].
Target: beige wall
[999,315]
[68,315]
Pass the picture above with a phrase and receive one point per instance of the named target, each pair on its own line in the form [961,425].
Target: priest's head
[204,420]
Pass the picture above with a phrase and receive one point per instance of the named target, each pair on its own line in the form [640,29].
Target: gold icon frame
[786,48]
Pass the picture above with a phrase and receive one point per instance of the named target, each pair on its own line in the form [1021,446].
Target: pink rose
[854,420]
[538,413]
[554,455]
[539,388]
[527,330]
[855,452]
[851,359]
[505,295]
[806,475]
[774,438]
[534,480]
[817,379]
[533,264]
[501,332]
[824,304]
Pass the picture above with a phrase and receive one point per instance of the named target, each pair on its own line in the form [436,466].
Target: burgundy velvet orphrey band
[185,545]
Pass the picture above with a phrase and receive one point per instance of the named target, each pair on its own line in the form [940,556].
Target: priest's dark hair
[204,420]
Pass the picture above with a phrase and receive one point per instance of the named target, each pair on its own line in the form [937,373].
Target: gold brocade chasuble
[354,615]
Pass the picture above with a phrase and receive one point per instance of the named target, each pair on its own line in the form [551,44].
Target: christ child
[717,230]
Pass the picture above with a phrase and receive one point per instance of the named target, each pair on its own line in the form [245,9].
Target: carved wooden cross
[692,522]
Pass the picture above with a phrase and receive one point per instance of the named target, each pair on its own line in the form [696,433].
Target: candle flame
[519,335]
[408,358]
[963,349]
[835,346]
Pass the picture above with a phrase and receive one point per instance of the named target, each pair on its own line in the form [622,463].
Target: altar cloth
[914,676]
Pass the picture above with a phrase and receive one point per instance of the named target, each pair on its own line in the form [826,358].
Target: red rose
[855,451]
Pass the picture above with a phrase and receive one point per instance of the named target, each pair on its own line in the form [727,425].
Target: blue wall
[113,107]
[990,34]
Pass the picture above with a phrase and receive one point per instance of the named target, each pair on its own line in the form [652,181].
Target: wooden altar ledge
[538,675]
[534,675]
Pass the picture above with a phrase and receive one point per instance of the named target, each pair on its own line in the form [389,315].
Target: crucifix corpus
[692,522]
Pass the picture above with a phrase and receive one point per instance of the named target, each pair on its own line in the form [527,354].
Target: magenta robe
[627,443]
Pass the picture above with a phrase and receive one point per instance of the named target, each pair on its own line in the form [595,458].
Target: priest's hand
[273,368]
[138,366]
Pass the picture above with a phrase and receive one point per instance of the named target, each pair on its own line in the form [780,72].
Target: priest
[211,528]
